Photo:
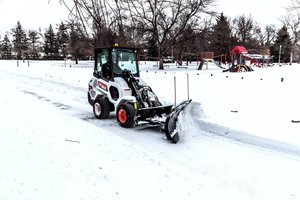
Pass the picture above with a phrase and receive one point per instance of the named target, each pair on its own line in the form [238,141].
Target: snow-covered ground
[238,140]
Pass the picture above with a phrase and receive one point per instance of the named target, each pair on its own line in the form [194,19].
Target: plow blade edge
[170,123]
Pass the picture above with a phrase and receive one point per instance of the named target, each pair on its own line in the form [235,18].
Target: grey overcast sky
[34,14]
[263,11]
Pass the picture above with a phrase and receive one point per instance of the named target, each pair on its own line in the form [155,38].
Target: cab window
[124,60]
[102,66]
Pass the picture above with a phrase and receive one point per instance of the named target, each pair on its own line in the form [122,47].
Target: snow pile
[188,121]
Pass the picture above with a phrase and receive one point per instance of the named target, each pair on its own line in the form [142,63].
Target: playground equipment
[208,57]
[204,61]
[205,58]
[259,59]
[221,58]
[238,60]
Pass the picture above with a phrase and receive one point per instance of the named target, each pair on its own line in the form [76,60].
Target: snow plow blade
[170,123]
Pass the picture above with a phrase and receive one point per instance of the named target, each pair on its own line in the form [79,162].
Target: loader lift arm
[172,114]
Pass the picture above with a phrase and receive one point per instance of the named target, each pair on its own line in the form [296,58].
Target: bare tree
[270,33]
[100,19]
[164,21]
[244,25]
[295,5]
[161,20]
[79,45]
[265,36]
[259,35]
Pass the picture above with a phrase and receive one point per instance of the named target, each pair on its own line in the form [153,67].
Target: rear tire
[126,115]
[101,108]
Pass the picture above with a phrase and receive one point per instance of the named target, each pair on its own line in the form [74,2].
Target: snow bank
[187,121]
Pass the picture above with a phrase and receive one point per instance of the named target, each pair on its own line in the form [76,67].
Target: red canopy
[239,50]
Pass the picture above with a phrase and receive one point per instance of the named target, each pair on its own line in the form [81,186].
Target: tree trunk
[76,59]
[161,63]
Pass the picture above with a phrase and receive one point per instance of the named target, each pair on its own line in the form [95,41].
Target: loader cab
[111,61]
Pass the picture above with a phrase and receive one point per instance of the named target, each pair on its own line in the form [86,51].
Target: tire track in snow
[61,106]
[65,96]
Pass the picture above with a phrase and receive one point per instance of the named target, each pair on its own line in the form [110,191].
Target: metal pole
[188,85]
[175,90]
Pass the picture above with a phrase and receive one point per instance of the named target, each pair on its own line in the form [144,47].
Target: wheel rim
[122,116]
[97,109]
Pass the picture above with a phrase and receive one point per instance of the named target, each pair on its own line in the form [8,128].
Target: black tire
[126,115]
[243,69]
[101,108]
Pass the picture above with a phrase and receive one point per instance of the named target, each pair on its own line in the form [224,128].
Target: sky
[34,14]
[263,11]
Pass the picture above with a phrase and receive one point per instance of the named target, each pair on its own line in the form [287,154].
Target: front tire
[126,115]
[101,108]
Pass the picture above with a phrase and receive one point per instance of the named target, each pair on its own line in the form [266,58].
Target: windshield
[124,59]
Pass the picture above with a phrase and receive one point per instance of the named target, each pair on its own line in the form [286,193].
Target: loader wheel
[101,108]
[126,115]
[243,69]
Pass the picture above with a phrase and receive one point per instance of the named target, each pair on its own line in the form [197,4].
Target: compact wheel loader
[116,86]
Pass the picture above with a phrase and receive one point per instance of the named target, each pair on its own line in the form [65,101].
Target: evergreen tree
[62,39]
[6,48]
[50,44]
[19,41]
[221,36]
[283,40]
[33,44]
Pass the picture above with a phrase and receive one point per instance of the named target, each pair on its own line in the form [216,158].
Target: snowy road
[201,165]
